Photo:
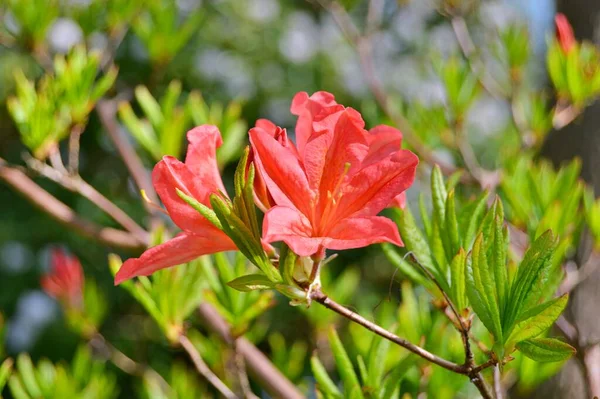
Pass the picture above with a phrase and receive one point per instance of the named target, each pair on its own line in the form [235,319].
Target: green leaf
[324,382]
[251,282]
[498,255]
[481,289]
[531,276]
[201,208]
[26,371]
[344,365]
[394,378]
[414,240]
[377,355]
[457,279]
[405,267]
[538,319]
[546,349]
[5,370]
[451,232]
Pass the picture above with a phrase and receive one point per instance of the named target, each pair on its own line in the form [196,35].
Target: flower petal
[399,201]
[201,157]
[281,171]
[362,231]
[307,109]
[383,141]
[183,248]
[373,188]
[287,224]
[168,176]
[348,147]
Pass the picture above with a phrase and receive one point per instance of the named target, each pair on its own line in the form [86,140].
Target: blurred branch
[39,197]
[124,362]
[107,112]
[78,185]
[588,356]
[362,45]
[465,42]
[203,368]
[259,366]
[74,139]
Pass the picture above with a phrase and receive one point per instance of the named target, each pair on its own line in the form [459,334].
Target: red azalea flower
[329,187]
[65,279]
[564,32]
[198,177]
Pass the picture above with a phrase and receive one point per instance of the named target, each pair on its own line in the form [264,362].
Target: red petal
[399,201]
[181,249]
[287,224]
[373,188]
[168,176]
[360,232]
[564,32]
[307,109]
[349,146]
[201,158]
[383,141]
[281,171]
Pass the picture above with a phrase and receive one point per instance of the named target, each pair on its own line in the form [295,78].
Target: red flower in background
[564,32]
[65,279]
[198,177]
[329,186]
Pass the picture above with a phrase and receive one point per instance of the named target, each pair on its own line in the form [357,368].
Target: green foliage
[88,318]
[62,100]
[239,307]
[288,358]
[546,349]
[158,27]
[441,244]
[517,49]
[169,296]
[162,131]
[462,87]
[592,215]
[515,316]
[34,19]
[538,198]
[183,383]
[575,73]
[233,129]
[84,378]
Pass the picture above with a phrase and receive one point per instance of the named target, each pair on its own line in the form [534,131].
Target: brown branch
[77,185]
[318,296]
[203,368]
[259,366]
[124,362]
[106,111]
[63,214]
[472,372]
[74,144]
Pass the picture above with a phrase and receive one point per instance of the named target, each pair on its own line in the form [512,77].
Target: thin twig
[472,372]
[62,213]
[107,111]
[242,376]
[259,366]
[498,390]
[463,329]
[318,296]
[203,368]
[362,46]
[124,362]
[81,187]
[74,144]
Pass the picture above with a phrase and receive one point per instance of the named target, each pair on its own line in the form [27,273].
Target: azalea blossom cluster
[323,191]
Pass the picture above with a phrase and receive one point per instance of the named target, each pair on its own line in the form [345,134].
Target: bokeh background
[256,54]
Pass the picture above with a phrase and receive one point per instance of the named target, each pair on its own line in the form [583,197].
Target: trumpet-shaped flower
[65,280]
[198,178]
[330,185]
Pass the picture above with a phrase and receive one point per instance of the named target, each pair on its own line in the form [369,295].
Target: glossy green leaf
[457,279]
[538,319]
[546,349]
[251,282]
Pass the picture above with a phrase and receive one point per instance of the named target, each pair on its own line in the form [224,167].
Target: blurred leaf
[546,349]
